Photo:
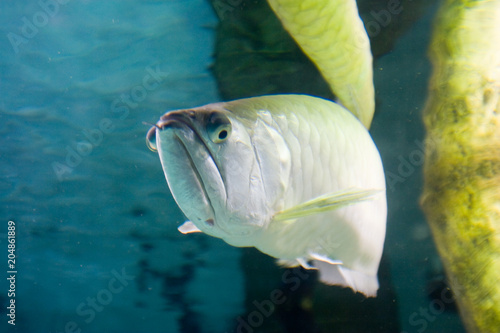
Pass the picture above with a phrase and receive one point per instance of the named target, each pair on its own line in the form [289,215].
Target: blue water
[96,227]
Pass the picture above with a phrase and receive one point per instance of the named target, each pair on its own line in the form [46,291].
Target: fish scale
[309,149]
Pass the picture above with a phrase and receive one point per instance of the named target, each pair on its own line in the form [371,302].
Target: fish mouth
[191,171]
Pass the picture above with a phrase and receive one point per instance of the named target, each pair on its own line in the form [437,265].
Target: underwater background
[97,246]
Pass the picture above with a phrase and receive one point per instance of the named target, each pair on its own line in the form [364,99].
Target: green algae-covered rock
[462,171]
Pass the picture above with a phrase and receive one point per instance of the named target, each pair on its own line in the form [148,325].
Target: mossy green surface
[462,171]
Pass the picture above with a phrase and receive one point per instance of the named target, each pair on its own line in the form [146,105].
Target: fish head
[215,164]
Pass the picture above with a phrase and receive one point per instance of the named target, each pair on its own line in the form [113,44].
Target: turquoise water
[96,240]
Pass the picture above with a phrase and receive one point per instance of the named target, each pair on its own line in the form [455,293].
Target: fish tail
[342,276]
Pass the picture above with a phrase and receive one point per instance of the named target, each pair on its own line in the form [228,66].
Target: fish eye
[151,139]
[218,128]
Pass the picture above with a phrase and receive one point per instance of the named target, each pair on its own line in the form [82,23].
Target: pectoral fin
[325,203]
[188,227]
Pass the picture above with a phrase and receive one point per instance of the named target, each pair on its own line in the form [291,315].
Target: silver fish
[297,177]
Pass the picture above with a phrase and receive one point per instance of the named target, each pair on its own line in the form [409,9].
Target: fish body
[297,177]
[333,36]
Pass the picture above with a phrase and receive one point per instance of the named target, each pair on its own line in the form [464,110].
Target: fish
[295,176]
[333,36]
